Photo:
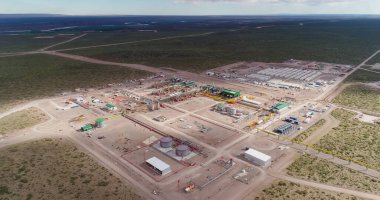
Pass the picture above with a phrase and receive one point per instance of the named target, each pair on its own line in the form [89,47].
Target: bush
[4,190]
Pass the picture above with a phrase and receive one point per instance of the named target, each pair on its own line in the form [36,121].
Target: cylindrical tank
[233,111]
[99,123]
[182,150]
[228,109]
[166,142]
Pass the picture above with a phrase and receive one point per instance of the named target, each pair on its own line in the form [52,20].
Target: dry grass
[353,138]
[285,190]
[56,169]
[315,169]
[22,119]
[360,97]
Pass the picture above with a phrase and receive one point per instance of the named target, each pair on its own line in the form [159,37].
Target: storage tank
[233,111]
[99,123]
[228,109]
[182,150]
[166,142]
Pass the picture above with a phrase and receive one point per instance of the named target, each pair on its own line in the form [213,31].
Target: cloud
[312,2]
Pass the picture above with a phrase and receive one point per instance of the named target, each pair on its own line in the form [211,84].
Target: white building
[250,101]
[159,166]
[258,158]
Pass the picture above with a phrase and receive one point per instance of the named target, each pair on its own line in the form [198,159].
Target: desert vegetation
[283,190]
[314,169]
[341,42]
[360,97]
[56,169]
[35,76]
[353,138]
[22,119]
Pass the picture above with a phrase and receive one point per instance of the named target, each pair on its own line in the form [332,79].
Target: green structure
[87,127]
[280,107]
[99,123]
[110,106]
[99,120]
[230,93]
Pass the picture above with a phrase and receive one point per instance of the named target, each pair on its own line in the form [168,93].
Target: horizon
[174,15]
[193,7]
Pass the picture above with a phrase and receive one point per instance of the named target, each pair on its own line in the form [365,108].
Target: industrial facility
[291,73]
[176,131]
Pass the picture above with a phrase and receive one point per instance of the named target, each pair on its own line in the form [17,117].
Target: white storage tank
[233,111]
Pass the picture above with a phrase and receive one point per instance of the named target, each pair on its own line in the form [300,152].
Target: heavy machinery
[78,119]
[190,187]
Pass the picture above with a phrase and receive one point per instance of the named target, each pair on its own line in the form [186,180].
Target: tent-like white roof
[158,164]
[250,100]
[258,155]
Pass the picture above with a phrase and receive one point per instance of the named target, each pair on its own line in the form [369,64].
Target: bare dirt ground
[196,103]
[214,136]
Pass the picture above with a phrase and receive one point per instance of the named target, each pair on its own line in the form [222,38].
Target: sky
[189,7]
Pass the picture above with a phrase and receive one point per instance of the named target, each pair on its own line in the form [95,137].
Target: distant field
[360,97]
[33,76]
[22,119]
[346,42]
[56,169]
[100,38]
[281,190]
[363,76]
[370,68]
[314,169]
[374,60]
[28,42]
[353,139]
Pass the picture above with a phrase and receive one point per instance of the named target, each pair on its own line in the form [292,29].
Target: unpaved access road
[102,62]
[331,122]
[326,187]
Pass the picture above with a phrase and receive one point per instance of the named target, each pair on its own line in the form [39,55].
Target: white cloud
[272,1]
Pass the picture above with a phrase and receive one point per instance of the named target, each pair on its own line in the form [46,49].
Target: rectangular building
[280,107]
[258,158]
[158,165]
[230,93]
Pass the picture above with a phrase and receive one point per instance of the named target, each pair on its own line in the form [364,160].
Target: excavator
[78,119]
[190,187]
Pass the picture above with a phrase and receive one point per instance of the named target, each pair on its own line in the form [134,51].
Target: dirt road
[326,187]
[331,122]
[139,41]
[64,42]
[377,72]
[102,62]
[337,83]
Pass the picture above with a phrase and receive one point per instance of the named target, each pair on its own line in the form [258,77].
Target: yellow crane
[78,119]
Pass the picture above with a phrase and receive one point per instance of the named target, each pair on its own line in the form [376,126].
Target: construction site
[199,138]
